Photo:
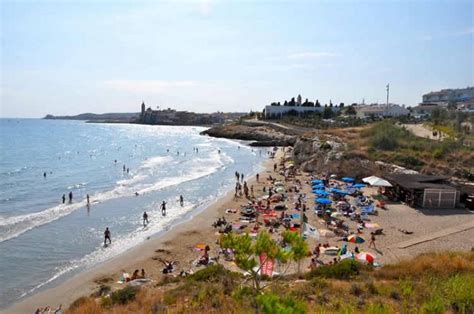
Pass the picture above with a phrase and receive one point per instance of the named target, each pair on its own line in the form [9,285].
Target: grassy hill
[431,283]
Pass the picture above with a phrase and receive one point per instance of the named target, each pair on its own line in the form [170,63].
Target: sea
[43,241]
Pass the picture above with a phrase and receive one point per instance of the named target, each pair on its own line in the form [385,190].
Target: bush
[345,269]
[434,306]
[273,304]
[212,273]
[356,289]
[123,296]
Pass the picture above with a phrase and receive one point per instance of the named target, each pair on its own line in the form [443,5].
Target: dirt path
[421,130]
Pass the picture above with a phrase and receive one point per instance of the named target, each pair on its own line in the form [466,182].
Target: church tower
[143,108]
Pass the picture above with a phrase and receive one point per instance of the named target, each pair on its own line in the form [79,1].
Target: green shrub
[438,153]
[345,269]
[459,292]
[212,273]
[409,161]
[123,296]
[273,304]
[434,306]
[377,308]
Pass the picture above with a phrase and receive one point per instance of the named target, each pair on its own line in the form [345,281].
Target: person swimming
[44,174]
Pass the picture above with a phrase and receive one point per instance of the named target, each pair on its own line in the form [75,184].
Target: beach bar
[425,191]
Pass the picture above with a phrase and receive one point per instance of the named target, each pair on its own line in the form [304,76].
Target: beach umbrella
[316,182]
[280,190]
[321,193]
[359,185]
[348,179]
[318,187]
[323,201]
[355,239]
[366,257]
[338,191]
[376,181]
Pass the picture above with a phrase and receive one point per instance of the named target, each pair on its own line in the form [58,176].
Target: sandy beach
[432,231]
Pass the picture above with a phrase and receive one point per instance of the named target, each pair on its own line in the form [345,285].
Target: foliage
[124,295]
[247,251]
[299,247]
[274,304]
[345,269]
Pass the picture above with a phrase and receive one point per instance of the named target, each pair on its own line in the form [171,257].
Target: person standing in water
[88,199]
[124,168]
[145,219]
[64,198]
[163,208]
[107,236]
[181,200]
[70,197]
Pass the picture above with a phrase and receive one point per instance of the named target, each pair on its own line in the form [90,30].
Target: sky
[71,57]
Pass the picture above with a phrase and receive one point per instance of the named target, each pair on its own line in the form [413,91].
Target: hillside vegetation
[431,283]
[389,142]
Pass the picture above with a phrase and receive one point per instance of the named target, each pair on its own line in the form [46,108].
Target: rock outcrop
[260,135]
[315,153]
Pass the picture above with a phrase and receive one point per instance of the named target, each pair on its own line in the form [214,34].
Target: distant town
[460,100]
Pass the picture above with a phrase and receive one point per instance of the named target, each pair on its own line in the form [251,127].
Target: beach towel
[310,231]
[372,225]
[200,247]
[295,216]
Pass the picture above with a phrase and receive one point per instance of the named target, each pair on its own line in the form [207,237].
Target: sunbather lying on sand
[405,231]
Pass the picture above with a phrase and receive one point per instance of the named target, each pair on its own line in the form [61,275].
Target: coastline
[176,243]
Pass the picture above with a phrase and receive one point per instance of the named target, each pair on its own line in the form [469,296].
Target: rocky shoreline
[260,135]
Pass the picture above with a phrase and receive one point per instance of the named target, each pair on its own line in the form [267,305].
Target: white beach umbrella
[376,181]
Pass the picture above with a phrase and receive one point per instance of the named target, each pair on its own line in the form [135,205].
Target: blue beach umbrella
[359,185]
[318,187]
[348,179]
[323,201]
[321,193]
[338,191]
[314,182]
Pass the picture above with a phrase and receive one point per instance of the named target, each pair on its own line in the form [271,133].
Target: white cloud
[149,86]
[312,55]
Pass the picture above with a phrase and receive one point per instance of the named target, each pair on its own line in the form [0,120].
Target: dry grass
[439,264]
[430,281]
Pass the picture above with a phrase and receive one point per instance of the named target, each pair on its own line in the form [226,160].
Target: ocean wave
[126,242]
[12,227]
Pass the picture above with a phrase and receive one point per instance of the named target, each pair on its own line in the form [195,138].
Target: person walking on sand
[64,198]
[70,197]
[242,177]
[181,200]
[163,208]
[145,219]
[372,241]
[107,236]
[258,177]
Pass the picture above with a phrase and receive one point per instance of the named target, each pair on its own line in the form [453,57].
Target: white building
[381,111]
[444,96]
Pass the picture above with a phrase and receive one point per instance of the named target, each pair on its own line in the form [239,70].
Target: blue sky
[69,57]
